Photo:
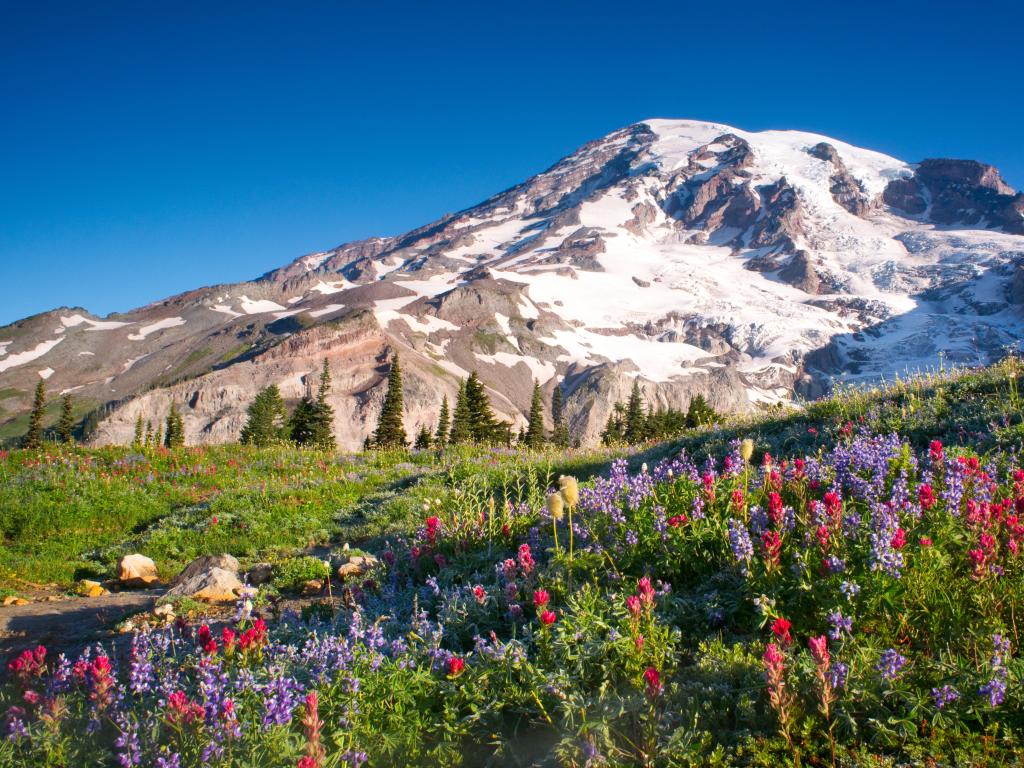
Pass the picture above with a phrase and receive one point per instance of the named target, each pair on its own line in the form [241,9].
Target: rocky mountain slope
[750,267]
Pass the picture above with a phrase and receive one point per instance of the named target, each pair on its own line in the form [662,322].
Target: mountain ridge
[751,267]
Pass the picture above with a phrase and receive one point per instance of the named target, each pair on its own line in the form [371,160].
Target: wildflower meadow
[838,586]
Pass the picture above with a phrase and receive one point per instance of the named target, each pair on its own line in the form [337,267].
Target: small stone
[164,609]
[312,587]
[10,599]
[204,564]
[260,573]
[21,601]
[136,571]
[350,570]
[95,591]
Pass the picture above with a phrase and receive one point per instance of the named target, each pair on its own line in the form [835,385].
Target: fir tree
[559,432]
[322,417]
[615,427]
[266,418]
[174,434]
[534,437]
[423,439]
[66,425]
[158,437]
[149,434]
[140,428]
[699,413]
[441,435]
[461,430]
[34,435]
[390,428]
[635,421]
[483,427]
[301,424]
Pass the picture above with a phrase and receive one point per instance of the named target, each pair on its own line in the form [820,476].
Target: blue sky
[146,149]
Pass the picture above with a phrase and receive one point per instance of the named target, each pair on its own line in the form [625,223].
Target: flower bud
[570,490]
[747,449]
[556,505]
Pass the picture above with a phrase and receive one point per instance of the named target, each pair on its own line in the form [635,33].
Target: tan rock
[10,599]
[136,571]
[215,585]
[313,587]
[22,601]
[350,570]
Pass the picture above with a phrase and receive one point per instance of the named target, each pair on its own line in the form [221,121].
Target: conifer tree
[423,439]
[534,437]
[266,418]
[559,432]
[149,434]
[441,435]
[140,428]
[158,438]
[615,427]
[322,416]
[390,428]
[174,434]
[699,413]
[634,432]
[483,426]
[461,430]
[301,424]
[34,435]
[66,425]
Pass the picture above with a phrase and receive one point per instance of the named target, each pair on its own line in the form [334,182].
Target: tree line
[633,422]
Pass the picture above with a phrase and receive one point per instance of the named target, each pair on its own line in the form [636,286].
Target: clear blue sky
[149,148]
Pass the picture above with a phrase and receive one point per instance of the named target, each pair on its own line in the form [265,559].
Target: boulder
[136,571]
[204,564]
[261,573]
[312,587]
[215,585]
[90,588]
[357,565]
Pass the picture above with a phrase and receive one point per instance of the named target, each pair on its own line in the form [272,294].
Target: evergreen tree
[34,435]
[322,416]
[559,432]
[174,434]
[149,434]
[266,418]
[635,426]
[483,427]
[461,430]
[423,439]
[301,427]
[615,428]
[699,413]
[390,428]
[158,438]
[66,426]
[139,431]
[534,437]
[441,435]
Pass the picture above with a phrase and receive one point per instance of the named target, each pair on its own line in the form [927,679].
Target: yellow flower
[747,449]
[556,505]
[570,490]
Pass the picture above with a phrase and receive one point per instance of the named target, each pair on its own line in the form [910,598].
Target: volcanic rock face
[695,257]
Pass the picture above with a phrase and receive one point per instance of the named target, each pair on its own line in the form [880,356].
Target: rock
[10,599]
[91,588]
[261,573]
[136,571]
[357,565]
[21,601]
[215,585]
[204,564]
[312,587]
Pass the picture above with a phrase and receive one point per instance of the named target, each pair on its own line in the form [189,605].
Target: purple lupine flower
[840,624]
[171,760]
[944,696]
[742,547]
[837,674]
[129,748]
[850,589]
[995,689]
[890,664]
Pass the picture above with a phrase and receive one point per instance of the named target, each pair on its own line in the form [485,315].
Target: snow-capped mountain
[750,267]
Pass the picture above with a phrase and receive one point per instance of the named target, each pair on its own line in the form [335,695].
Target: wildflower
[455,665]
[540,598]
[739,542]
[556,505]
[819,651]
[480,594]
[850,589]
[772,543]
[570,490]
[633,606]
[778,695]
[890,664]
[525,558]
[995,688]
[926,496]
[746,449]
[312,724]
[944,696]
[925,541]
[547,618]
[935,451]
[653,679]
[899,539]
[736,500]
[840,624]
[645,592]
[780,628]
